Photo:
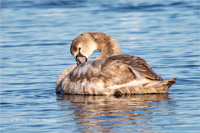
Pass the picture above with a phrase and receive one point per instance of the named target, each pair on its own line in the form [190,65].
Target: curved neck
[106,44]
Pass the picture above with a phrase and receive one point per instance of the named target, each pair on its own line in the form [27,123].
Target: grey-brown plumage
[114,74]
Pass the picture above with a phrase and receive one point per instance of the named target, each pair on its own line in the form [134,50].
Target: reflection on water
[103,113]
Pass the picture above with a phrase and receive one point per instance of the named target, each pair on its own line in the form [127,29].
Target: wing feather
[138,66]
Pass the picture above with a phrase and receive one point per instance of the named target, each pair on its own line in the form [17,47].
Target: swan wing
[138,66]
[104,76]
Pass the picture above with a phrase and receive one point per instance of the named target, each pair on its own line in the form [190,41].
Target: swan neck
[108,49]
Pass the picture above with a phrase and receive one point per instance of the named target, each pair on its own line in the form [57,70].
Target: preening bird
[109,74]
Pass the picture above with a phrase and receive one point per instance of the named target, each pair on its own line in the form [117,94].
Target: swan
[109,74]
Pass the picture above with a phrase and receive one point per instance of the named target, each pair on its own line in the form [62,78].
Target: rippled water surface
[35,41]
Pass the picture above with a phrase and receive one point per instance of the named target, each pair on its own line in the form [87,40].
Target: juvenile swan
[109,74]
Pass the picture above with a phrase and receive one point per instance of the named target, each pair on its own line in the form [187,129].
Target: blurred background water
[35,39]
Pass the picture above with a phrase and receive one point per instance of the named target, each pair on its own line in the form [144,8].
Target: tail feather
[164,85]
[169,82]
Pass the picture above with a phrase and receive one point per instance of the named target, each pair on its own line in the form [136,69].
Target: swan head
[86,43]
[82,48]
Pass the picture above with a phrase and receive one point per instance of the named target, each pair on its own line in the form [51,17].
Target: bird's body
[113,75]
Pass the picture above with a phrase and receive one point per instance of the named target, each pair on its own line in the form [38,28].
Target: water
[35,41]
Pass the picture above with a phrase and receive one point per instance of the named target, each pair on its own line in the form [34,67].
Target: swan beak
[80,59]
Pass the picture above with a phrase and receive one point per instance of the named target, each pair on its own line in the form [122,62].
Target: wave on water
[120,5]
[40,3]
[28,45]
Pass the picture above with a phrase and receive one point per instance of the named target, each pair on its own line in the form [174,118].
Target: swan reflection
[108,113]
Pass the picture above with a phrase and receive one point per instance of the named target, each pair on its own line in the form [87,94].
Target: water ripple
[35,47]
[97,113]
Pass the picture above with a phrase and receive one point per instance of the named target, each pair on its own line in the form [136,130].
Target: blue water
[35,41]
